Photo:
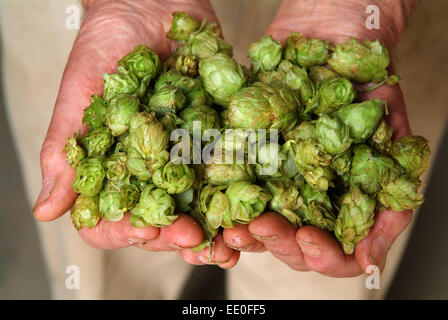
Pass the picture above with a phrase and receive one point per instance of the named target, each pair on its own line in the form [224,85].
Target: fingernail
[268,239]
[378,252]
[175,246]
[248,247]
[137,241]
[309,248]
[47,187]
[205,260]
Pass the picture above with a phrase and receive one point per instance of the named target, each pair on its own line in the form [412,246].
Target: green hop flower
[227,173]
[90,175]
[97,142]
[360,61]
[401,194]
[361,118]
[273,78]
[182,26]
[175,178]
[332,134]
[191,87]
[95,114]
[208,117]
[85,212]
[265,54]
[208,42]
[216,207]
[187,65]
[170,121]
[122,82]
[199,96]
[269,161]
[304,131]
[319,73]
[311,161]
[341,166]
[355,218]
[371,171]
[333,93]
[247,201]
[155,208]
[412,153]
[319,177]
[167,99]
[381,139]
[306,52]
[144,63]
[175,79]
[121,109]
[221,76]
[75,153]
[316,208]
[147,145]
[296,78]
[116,169]
[262,106]
[286,199]
[309,153]
[114,203]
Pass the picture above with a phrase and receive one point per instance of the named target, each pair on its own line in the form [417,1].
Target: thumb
[56,196]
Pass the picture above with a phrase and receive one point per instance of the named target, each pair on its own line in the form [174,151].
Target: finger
[372,250]
[120,234]
[239,238]
[232,261]
[183,233]
[279,237]
[323,254]
[221,254]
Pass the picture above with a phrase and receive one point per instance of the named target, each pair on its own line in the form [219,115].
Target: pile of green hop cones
[326,159]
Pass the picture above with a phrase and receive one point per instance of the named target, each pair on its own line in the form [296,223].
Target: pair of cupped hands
[110,30]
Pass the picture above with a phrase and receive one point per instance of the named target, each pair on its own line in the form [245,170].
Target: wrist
[336,22]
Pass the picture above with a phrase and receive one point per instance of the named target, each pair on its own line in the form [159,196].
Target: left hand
[310,248]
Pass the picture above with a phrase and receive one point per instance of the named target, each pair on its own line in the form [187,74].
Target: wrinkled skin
[310,248]
[109,31]
[97,51]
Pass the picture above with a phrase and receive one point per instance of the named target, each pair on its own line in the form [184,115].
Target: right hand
[110,30]
[310,248]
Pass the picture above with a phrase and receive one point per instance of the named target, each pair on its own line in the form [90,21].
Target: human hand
[311,248]
[110,30]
